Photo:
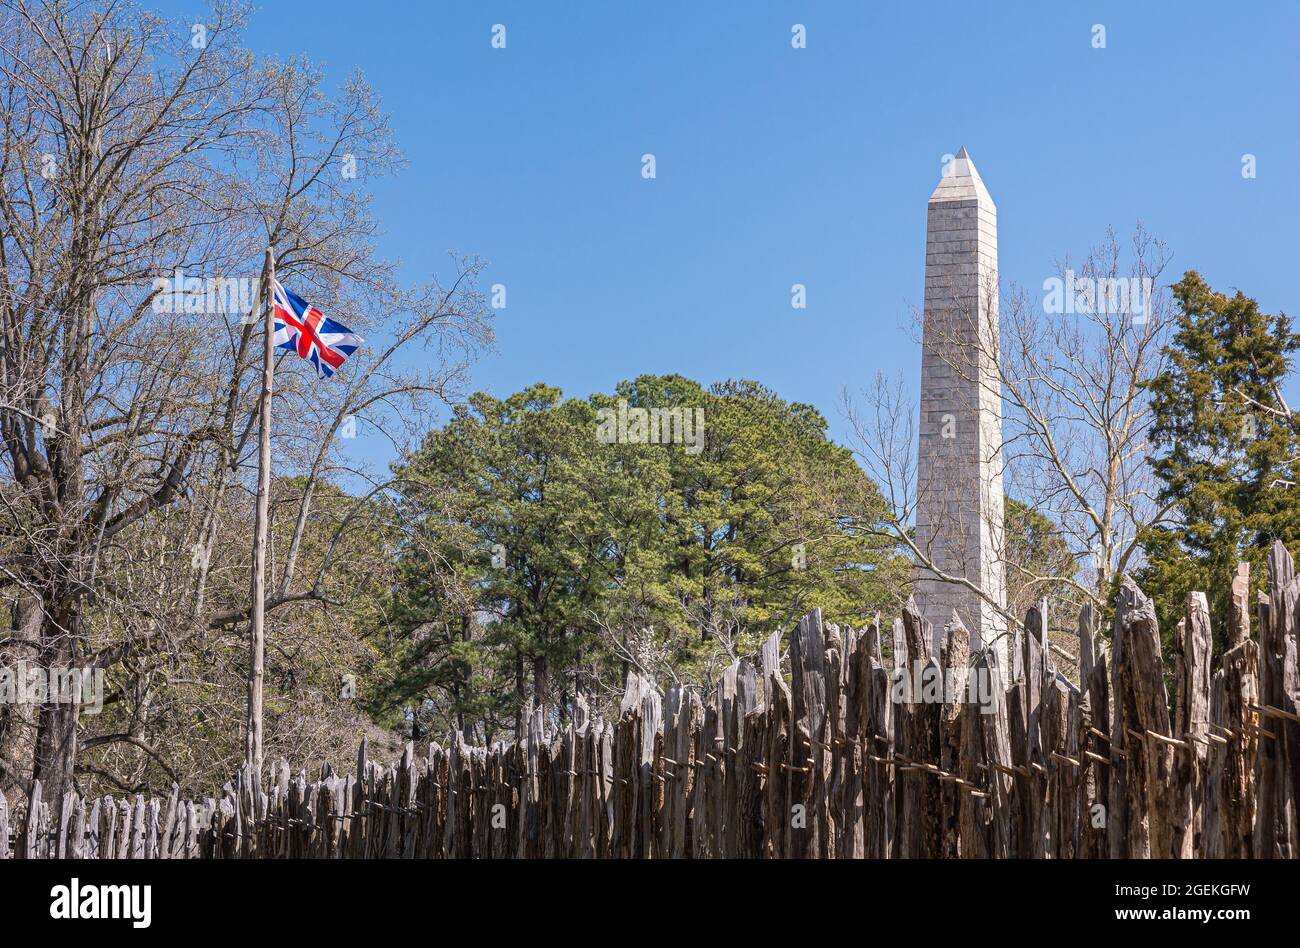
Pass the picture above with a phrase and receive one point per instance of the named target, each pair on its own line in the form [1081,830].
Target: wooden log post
[899,665]
[1032,780]
[857,742]
[989,819]
[750,768]
[952,715]
[880,787]
[834,741]
[61,841]
[738,829]
[628,841]
[716,769]
[809,762]
[921,819]
[1277,761]
[1093,740]
[28,839]
[707,783]
[1060,782]
[676,770]
[1229,776]
[1141,709]
[1191,725]
[1239,613]
[107,828]
[649,724]
[777,830]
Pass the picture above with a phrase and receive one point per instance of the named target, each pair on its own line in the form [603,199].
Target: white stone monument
[959,461]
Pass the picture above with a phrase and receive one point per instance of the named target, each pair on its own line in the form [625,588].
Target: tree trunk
[17,721]
[520,695]
[539,681]
[55,759]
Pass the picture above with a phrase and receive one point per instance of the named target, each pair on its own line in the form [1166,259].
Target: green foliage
[543,560]
[1225,454]
[1040,566]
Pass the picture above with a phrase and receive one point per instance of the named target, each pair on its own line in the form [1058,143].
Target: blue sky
[778,166]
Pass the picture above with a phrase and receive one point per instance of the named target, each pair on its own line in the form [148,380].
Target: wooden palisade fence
[829,765]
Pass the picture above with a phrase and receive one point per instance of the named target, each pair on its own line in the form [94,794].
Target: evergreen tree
[1039,566]
[553,544]
[1226,455]
[498,575]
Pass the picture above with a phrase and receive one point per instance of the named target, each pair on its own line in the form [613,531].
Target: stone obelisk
[959,461]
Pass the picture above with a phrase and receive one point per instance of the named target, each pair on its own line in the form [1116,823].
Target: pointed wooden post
[257,612]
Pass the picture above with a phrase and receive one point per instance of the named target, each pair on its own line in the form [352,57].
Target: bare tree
[140,156]
[111,173]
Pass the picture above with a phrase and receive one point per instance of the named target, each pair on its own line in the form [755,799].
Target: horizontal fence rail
[841,761]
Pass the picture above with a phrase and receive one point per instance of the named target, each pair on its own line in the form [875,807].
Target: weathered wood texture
[929,756]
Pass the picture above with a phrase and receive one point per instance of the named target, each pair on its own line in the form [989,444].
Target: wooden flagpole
[257,613]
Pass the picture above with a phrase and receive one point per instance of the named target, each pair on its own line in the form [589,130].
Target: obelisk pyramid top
[961,182]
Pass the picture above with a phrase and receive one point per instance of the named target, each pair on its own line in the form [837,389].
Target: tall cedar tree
[1226,462]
